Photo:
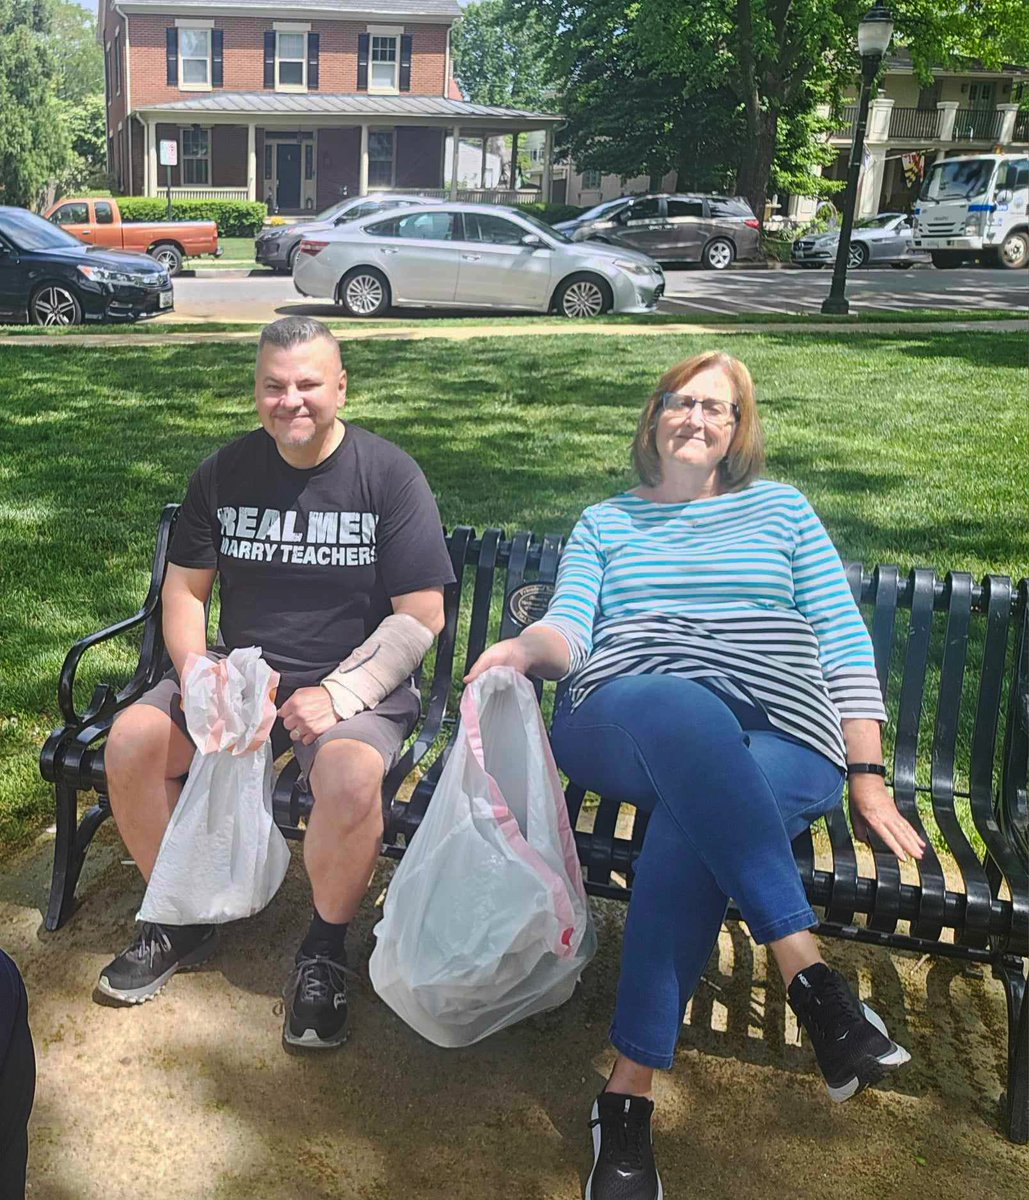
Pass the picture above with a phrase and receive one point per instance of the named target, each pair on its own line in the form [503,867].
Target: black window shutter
[405,63]
[269,58]
[362,62]
[312,62]
[171,42]
[217,59]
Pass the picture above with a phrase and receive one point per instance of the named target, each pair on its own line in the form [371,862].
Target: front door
[288,169]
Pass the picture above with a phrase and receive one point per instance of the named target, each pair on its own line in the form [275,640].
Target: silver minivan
[712,230]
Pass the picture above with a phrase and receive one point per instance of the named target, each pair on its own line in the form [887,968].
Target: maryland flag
[914,168]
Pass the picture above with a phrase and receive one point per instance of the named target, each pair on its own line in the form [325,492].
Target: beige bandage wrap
[378,666]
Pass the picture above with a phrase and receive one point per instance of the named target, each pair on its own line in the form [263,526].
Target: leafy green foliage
[235,218]
[34,142]
[77,53]
[551,213]
[497,61]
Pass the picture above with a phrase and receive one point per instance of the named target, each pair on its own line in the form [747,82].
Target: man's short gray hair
[287,332]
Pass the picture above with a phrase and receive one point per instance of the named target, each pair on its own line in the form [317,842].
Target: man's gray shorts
[385,728]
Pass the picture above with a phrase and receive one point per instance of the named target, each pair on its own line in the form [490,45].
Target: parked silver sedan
[472,256]
[884,238]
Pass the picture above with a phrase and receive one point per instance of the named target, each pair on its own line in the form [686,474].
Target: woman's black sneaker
[623,1156]
[316,1002]
[850,1040]
[142,970]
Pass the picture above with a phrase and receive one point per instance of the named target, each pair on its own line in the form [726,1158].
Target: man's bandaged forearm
[378,666]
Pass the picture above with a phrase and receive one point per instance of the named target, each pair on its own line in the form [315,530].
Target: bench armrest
[107,699]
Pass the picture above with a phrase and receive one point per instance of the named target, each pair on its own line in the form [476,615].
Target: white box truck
[973,208]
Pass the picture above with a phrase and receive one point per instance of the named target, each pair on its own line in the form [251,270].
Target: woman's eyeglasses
[714,412]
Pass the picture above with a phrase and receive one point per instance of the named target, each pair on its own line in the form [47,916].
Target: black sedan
[48,277]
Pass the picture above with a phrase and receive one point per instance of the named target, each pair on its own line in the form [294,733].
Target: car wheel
[583,296]
[857,256]
[364,292]
[945,260]
[902,266]
[170,257]
[55,304]
[718,254]
[291,259]
[1014,250]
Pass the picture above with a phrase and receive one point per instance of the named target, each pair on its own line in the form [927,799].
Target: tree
[500,61]
[76,51]
[86,124]
[34,144]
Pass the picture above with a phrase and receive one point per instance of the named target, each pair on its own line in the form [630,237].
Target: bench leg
[1011,974]
[70,852]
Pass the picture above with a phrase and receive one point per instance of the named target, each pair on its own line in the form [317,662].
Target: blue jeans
[726,793]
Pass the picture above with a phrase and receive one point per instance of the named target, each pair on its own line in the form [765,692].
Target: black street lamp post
[874,33]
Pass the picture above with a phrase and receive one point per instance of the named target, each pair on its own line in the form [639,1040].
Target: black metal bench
[949,652]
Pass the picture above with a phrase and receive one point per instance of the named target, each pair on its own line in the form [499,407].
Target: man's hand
[307,714]
[872,808]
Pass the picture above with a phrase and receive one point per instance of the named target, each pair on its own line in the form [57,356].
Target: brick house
[290,101]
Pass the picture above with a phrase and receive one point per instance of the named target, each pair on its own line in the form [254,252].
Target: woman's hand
[508,653]
[873,810]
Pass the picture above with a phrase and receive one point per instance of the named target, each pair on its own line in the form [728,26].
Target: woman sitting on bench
[724,682]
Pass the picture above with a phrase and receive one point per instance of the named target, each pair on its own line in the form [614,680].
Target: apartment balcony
[918,124]
[847,123]
[977,125]
[1022,127]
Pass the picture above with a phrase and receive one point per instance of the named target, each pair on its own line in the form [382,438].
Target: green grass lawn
[912,448]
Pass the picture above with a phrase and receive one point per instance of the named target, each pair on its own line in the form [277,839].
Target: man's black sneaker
[142,970]
[316,1002]
[850,1040]
[623,1156]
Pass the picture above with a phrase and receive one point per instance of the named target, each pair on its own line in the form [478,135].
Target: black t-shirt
[308,559]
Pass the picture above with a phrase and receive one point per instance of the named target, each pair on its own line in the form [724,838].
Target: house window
[268,152]
[291,60]
[309,160]
[591,181]
[384,64]
[117,63]
[380,158]
[194,58]
[196,156]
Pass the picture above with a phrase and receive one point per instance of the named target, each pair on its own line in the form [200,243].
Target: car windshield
[29,232]
[880,222]
[605,210]
[543,227]
[959,179]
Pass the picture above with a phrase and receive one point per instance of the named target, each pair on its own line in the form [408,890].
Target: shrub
[234,218]
[551,213]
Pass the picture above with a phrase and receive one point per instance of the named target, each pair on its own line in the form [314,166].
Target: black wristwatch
[866,769]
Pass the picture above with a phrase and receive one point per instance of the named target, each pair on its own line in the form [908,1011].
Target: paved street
[262,297]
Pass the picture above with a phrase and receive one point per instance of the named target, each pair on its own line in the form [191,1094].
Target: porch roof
[275,108]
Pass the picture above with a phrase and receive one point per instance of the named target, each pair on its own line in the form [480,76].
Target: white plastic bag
[222,857]
[486,918]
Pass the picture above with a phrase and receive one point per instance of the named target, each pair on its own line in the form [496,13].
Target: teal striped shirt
[753,560]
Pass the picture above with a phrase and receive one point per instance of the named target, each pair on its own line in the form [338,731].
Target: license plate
[167,300]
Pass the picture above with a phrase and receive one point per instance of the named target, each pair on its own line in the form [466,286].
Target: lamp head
[875,31]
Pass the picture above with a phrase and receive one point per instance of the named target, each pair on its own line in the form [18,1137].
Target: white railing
[475,195]
[206,193]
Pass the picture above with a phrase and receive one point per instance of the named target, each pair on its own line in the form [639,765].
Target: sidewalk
[191,1097]
[514,329]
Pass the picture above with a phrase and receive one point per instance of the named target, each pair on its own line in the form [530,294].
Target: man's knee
[144,738]
[347,777]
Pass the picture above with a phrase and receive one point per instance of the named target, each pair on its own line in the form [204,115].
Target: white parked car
[472,256]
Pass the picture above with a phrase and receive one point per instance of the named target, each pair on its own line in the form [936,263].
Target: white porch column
[548,164]
[456,135]
[251,161]
[1007,124]
[514,160]
[362,185]
[948,110]
[482,166]
[151,158]
[879,113]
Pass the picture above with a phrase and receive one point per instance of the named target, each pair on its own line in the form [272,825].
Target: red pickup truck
[99,223]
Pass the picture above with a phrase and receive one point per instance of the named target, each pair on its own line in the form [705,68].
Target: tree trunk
[756,161]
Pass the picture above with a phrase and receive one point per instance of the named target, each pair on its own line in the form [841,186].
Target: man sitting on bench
[327,543]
